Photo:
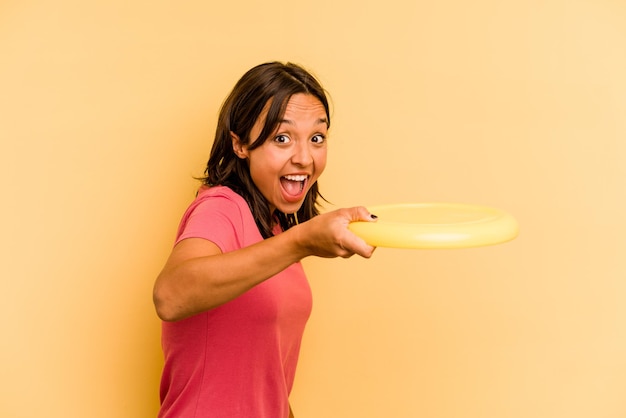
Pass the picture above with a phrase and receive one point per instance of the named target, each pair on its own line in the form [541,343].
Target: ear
[240,149]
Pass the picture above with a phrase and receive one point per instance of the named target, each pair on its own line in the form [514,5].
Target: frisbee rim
[493,226]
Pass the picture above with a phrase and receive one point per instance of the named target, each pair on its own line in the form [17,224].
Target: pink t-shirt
[239,359]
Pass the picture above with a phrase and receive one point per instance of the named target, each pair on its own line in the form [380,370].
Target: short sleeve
[214,218]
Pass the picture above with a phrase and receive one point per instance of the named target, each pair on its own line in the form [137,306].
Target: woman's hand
[327,235]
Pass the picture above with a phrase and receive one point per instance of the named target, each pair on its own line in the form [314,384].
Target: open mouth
[294,184]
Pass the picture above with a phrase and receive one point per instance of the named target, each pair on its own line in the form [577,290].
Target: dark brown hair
[273,81]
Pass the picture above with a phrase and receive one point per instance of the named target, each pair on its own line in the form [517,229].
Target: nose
[302,155]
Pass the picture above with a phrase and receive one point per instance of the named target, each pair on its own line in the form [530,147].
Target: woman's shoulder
[206,192]
[221,208]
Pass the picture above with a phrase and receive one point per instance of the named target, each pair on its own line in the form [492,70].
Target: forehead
[304,102]
[301,110]
[305,106]
[299,107]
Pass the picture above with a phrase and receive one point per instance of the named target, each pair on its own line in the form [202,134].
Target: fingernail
[373,216]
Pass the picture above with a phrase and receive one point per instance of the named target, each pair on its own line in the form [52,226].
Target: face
[289,162]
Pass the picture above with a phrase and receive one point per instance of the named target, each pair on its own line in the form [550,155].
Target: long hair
[272,82]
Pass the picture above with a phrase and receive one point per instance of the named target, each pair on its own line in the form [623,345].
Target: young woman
[233,297]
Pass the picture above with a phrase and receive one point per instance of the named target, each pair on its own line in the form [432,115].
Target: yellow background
[107,110]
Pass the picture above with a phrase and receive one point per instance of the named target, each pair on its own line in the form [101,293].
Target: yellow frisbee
[436,225]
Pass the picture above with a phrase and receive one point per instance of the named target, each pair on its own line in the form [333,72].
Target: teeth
[294,177]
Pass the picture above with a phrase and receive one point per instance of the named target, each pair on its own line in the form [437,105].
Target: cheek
[256,172]
[258,164]
[320,163]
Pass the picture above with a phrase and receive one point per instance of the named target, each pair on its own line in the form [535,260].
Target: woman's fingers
[328,235]
[353,243]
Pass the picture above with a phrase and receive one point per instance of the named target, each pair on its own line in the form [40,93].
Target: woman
[233,296]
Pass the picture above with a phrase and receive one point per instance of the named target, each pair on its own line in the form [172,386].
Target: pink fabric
[239,359]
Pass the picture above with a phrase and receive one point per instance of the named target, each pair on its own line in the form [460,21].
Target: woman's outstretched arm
[198,276]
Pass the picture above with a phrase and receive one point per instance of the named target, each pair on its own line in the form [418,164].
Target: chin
[290,210]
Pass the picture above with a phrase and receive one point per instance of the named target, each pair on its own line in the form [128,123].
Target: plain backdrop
[107,111]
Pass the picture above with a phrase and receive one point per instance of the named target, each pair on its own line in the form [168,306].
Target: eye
[282,139]
[318,139]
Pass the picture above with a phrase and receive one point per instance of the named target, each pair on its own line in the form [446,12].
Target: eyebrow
[320,121]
